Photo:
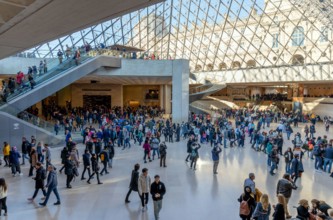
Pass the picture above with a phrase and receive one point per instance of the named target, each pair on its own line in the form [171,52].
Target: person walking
[157,190]
[134,182]
[104,159]
[288,156]
[6,153]
[86,163]
[285,187]
[111,153]
[69,167]
[39,179]
[14,160]
[95,169]
[3,196]
[163,153]
[295,168]
[216,156]
[144,183]
[52,183]
[63,155]
[147,148]
[24,147]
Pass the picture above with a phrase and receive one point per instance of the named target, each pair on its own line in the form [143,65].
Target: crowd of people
[104,130]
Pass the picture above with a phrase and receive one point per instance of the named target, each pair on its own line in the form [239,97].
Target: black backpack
[316,150]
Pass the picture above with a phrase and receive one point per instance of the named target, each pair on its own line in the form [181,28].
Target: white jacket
[3,193]
[144,183]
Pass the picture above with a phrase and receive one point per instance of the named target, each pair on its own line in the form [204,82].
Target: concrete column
[121,97]
[161,96]
[167,99]
[180,90]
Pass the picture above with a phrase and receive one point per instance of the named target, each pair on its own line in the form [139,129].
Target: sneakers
[57,203]
[42,204]
[100,183]
[21,174]
[88,182]
[127,201]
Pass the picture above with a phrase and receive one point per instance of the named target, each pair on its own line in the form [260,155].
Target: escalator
[200,92]
[54,80]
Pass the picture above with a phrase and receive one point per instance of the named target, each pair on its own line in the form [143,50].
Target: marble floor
[194,195]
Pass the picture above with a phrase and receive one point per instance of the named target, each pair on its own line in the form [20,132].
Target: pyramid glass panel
[217,35]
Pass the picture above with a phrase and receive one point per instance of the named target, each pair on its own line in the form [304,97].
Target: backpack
[316,151]
[102,157]
[244,208]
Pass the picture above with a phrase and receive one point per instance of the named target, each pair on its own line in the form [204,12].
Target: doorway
[97,100]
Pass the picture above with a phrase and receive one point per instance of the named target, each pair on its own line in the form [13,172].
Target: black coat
[40,176]
[94,164]
[302,213]
[279,212]
[69,166]
[86,159]
[134,180]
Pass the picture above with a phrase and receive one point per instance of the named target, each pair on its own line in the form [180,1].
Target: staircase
[200,92]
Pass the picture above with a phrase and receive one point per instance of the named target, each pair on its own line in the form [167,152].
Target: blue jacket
[216,153]
[329,153]
[14,157]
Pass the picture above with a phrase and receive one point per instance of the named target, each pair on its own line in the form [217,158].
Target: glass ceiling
[217,34]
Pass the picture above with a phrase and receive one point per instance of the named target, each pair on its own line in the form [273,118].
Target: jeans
[157,152]
[194,162]
[24,156]
[110,162]
[318,162]
[16,168]
[216,164]
[274,166]
[127,142]
[144,199]
[48,193]
[329,163]
[36,192]
[288,168]
[157,208]
[288,135]
[269,161]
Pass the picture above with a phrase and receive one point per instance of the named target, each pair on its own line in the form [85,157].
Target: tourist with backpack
[247,204]
[317,152]
[39,179]
[104,159]
[216,156]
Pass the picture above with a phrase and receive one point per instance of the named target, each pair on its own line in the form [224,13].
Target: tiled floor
[195,195]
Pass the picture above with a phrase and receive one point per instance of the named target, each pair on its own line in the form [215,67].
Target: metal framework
[219,35]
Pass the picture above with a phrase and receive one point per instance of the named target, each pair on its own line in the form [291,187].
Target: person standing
[60,55]
[40,177]
[285,187]
[216,157]
[155,147]
[250,183]
[194,155]
[144,183]
[95,169]
[33,160]
[3,196]
[247,204]
[146,147]
[134,182]
[279,208]
[47,155]
[163,153]
[86,163]
[274,160]
[52,183]
[157,190]
[25,146]
[263,209]
[288,156]
[111,153]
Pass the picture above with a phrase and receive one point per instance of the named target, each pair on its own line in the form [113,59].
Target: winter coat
[134,180]
[40,177]
[144,183]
